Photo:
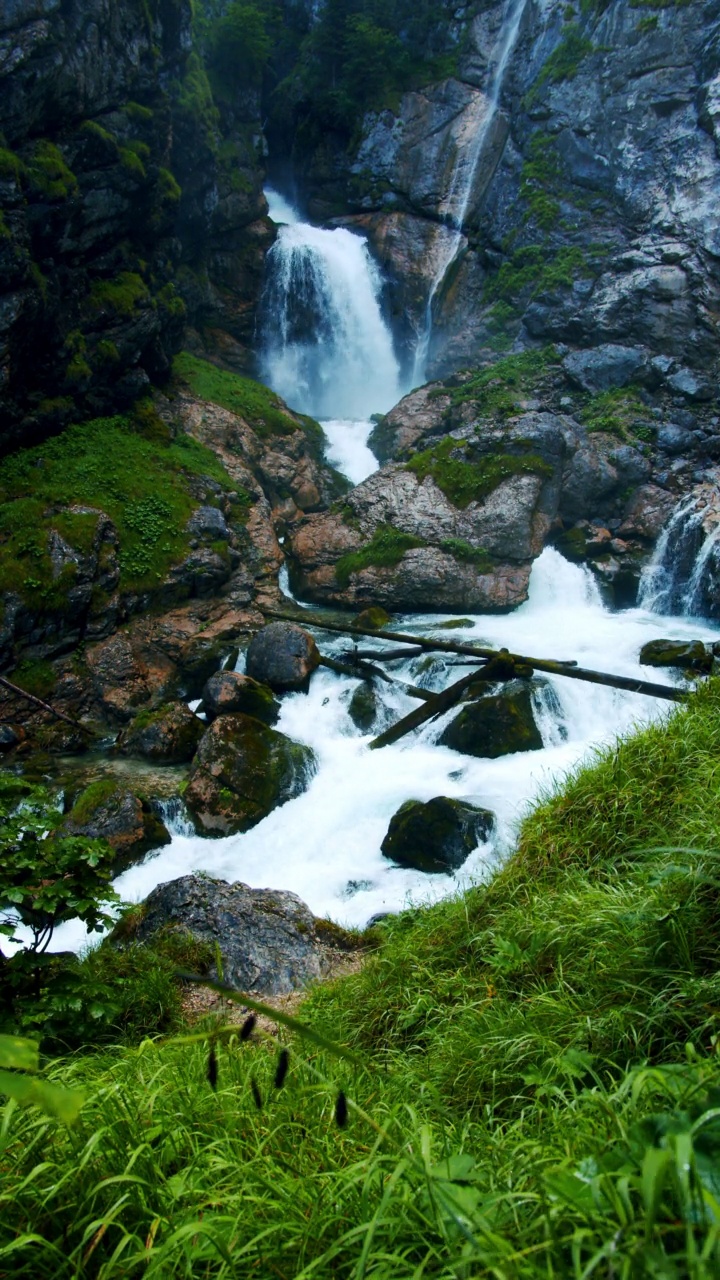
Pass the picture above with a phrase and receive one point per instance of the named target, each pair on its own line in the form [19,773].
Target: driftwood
[629,683]
[46,706]
[385,655]
[365,671]
[439,703]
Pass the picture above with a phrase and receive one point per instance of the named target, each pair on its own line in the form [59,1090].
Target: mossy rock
[374,618]
[687,655]
[242,771]
[572,543]
[436,836]
[169,735]
[229,691]
[363,707]
[109,810]
[493,726]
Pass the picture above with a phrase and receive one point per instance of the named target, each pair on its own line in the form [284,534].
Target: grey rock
[282,656]
[690,384]
[606,366]
[208,522]
[268,939]
[674,440]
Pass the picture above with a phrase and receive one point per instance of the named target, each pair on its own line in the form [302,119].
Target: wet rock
[282,656]
[229,691]
[675,440]
[169,735]
[605,367]
[363,707]
[108,810]
[11,735]
[436,836]
[269,940]
[497,725]
[687,655]
[374,618]
[242,771]
[210,523]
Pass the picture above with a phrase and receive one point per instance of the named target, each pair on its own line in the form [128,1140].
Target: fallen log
[364,671]
[439,703]
[46,706]
[552,667]
[384,655]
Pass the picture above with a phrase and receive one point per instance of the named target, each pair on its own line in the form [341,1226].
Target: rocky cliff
[130,203]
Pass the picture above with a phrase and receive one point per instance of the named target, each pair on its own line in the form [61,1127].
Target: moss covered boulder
[169,735]
[687,655]
[436,836]
[497,725]
[241,772]
[283,656]
[109,810]
[363,707]
[229,691]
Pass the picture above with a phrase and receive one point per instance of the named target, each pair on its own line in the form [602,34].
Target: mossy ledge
[464,478]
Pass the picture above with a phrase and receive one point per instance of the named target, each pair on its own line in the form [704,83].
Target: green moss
[619,412]
[536,269]
[132,163]
[564,62]
[386,549]
[195,99]
[257,404]
[465,479]
[169,300]
[144,485]
[92,129]
[48,174]
[35,676]
[647,24]
[78,370]
[137,113]
[5,232]
[91,799]
[496,391]
[169,189]
[541,181]
[467,554]
[106,353]
[11,166]
[122,295]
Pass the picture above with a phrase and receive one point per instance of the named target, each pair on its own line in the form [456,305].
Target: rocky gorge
[554,331]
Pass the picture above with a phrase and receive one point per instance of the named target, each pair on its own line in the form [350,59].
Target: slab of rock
[495,726]
[270,942]
[606,366]
[229,691]
[436,836]
[282,656]
[108,810]
[169,735]
[242,771]
[687,655]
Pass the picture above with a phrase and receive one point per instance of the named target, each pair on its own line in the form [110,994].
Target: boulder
[169,735]
[109,810]
[497,725]
[606,366]
[11,735]
[242,771]
[363,707]
[282,656]
[687,655]
[436,836]
[229,691]
[269,940]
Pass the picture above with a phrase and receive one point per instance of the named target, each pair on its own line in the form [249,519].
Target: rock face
[229,691]
[241,772]
[497,725]
[282,656]
[269,940]
[169,735]
[108,810]
[128,203]
[437,836]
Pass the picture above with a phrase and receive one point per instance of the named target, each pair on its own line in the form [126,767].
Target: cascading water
[326,347]
[454,208]
[686,561]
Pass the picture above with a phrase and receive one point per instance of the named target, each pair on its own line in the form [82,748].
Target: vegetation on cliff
[535,1089]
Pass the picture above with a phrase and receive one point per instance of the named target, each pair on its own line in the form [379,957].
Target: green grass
[466,479]
[256,403]
[619,412]
[535,1094]
[143,484]
[564,62]
[536,269]
[48,174]
[386,549]
[461,550]
[496,391]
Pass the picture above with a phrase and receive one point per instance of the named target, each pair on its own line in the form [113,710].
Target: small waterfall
[326,347]
[175,816]
[686,559]
[454,207]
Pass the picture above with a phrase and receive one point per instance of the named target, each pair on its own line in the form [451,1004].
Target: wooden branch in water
[548,665]
[383,655]
[439,703]
[30,697]
[364,671]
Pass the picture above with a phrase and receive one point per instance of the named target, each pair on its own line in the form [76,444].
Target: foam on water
[347,447]
[325,845]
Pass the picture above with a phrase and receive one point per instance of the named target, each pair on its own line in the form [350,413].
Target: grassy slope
[538,1064]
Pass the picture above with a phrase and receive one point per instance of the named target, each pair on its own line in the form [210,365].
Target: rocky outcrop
[269,941]
[108,810]
[169,735]
[229,691]
[436,836]
[496,725]
[241,772]
[283,656]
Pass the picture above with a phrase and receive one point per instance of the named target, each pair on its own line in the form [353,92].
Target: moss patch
[536,269]
[48,174]
[461,550]
[619,412]
[496,391]
[256,403]
[464,479]
[386,549]
[121,295]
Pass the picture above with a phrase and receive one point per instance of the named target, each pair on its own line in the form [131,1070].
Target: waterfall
[454,208]
[686,559]
[326,347]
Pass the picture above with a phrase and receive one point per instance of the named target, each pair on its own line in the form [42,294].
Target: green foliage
[35,676]
[195,100]
[496,391]
[168,187]
[619,412]
[536,269]
[385,549]
[240,43]
[541,181]
[144,485]
[260,407]
[48,174]
[11,166]
[132,162]
[121,296]
[19,1060]
[467,554]
[138,113]
[564,62]
[465,478]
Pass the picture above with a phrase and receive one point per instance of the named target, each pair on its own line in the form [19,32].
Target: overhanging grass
[257,404]
[385,549]
[465,479]
[539,1059]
